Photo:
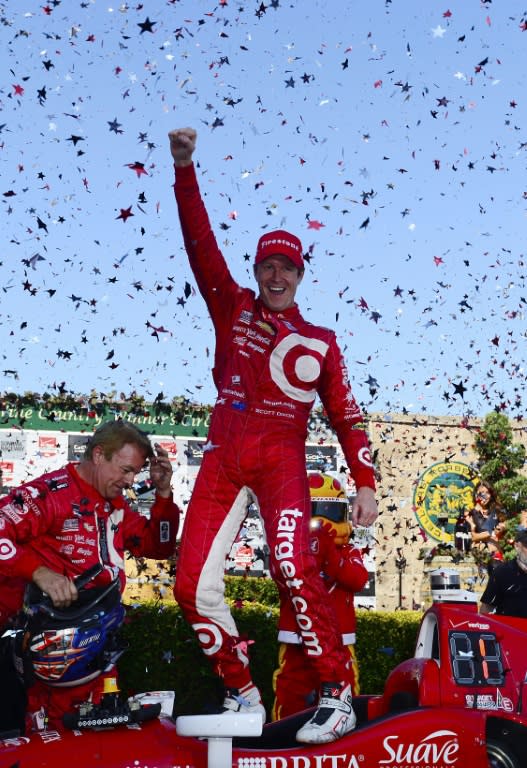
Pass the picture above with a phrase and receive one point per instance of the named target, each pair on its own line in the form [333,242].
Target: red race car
[460,702]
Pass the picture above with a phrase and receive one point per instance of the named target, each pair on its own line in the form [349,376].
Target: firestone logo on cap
[282,243]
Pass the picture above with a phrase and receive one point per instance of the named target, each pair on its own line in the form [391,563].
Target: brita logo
[438,749]
[302,761]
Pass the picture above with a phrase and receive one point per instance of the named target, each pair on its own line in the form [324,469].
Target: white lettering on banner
[65,415]
[438,749]
[284,554]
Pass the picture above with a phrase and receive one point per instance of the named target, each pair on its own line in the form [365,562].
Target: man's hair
[113,435]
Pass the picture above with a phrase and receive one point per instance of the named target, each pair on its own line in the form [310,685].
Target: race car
[460,702]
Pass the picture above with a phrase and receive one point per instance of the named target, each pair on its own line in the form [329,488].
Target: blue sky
[390,136]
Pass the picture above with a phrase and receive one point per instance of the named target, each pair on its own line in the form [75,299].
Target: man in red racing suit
[269,366]
[61,524]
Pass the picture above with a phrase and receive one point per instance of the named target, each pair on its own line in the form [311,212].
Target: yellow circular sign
[443,492]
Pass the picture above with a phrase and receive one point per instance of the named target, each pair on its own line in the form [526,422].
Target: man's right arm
[486,608]
[490,597]
[24,516]
[182,146]
[22,519]
[59,588]
[212,275]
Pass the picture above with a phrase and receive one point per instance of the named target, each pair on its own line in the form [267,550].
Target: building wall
[404,448]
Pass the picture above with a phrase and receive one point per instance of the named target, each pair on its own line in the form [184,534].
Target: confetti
[394,149]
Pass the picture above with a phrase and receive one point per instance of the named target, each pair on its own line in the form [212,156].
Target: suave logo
[437,749]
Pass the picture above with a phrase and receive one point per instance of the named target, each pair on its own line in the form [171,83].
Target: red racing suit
[268,369]
[61,522]
[344,574]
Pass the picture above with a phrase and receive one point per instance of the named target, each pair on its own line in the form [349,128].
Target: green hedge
[251,589]
[384,639]
[163,653]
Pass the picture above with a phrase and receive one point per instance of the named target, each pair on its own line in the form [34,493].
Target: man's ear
[254,271]
[97,454]
[301,273]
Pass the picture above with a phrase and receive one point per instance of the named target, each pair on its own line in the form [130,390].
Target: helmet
[72,646]
[329,504]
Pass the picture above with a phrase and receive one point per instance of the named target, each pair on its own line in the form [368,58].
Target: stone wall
[404,448]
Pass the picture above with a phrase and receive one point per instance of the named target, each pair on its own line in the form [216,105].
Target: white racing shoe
[243,700]
[333,718]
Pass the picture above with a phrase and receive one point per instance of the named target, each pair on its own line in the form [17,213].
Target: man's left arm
[490,598]
[347,420]
[155,537]
[364,510]
[161,472]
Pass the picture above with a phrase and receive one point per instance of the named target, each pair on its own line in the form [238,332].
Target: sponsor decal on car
[438,749]
[302,761]
[488,701]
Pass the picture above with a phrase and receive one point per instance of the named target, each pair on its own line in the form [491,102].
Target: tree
[500,460]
